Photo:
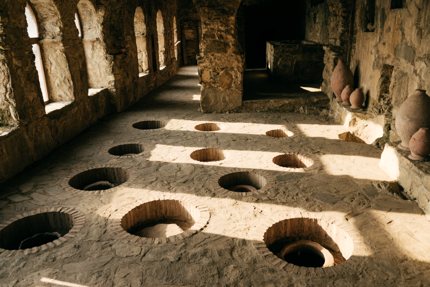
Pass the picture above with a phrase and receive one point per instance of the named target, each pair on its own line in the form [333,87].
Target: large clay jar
[357,99]
[413,114]
[420,144]
[340,78]
[346,93]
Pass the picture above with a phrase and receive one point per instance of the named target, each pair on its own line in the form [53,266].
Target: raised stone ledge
[297,103]
[413,176]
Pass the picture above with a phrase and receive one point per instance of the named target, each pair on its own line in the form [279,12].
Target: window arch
[140,34]
[161,41]
[44,30]
[175,38]
[98,63]
[33,34]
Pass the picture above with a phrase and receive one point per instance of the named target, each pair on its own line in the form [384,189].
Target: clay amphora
[420,144]
[412,115]
[346,93]
[340,78]
[356,99]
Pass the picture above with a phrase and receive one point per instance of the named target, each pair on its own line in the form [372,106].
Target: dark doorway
[269,20]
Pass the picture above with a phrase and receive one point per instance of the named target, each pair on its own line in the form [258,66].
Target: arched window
[33,34]
[161,42]
[78,25]
[99,68]
[44,27]
[140,34]
[175,38]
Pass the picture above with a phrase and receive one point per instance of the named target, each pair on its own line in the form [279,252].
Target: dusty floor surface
[344,187]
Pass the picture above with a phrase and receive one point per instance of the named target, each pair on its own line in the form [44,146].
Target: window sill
[141,75]
[4,131]
[94,92]
[51,107]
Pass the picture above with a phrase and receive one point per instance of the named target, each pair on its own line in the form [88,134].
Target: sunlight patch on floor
[228,127]
[60,283]
[358,167]
[321,131]
[406,233]
[227,214]
[233,158]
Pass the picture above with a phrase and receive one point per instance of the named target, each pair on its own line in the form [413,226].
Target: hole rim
[254,182]
[279,133]
[315,247]
[207,127]
[203,153]
[137,149]
[148,125]
[76,179]
[203,216]
[337,228]
[305,162]
[76,217]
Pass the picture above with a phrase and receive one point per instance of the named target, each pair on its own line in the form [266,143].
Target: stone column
[220,62]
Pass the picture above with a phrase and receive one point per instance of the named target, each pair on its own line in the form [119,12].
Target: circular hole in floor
[159,219]
[99,179]
[242,181]
[208,154]
[126,149]
[305,242]
[277,133]
[307,253]
[207,127]
[149,125]
[293,160]
[35,230]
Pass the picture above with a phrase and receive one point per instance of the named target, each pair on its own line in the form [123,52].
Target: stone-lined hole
[35,230]
[307,242]
[242,182]
[99,179]
[149,125]
[208,154]
[207,127]
[277,133]
[307,253]
[292,160]
[159,219]
[126,149]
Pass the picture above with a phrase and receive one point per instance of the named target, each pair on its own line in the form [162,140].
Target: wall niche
[369,16]
[397,4]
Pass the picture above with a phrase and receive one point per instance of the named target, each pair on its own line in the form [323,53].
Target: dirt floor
[384,240]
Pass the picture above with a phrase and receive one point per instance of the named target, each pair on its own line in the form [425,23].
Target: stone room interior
[214,143]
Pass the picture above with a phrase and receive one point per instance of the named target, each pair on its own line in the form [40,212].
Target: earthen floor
[387,238]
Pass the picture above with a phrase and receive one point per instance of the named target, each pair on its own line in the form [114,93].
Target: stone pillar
[220,62]
[118,29]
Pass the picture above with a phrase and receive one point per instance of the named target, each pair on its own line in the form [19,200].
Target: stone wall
[387,51]
[295,61]
[393,60]
[103,64]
